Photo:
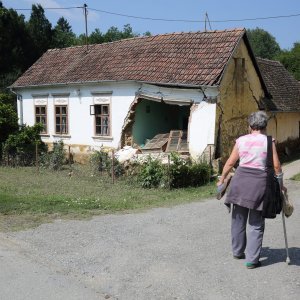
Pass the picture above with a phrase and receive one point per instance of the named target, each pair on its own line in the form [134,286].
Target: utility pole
[206,20]
[86,31]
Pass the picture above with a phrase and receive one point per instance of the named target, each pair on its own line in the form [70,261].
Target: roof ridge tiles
[149,37]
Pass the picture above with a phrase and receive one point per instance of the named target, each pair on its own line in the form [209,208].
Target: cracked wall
[240,95]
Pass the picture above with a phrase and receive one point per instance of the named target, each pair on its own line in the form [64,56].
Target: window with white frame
[102,119]
[41,116]
[61,119]
[101,112]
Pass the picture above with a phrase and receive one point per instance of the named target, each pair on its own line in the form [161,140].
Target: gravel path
[181,252]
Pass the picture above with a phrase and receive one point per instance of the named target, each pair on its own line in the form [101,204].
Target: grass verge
[29,198]
[296,177]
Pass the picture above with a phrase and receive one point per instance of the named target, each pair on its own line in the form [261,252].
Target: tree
[63,35]
[291,60]
[8,119]
[263,44]
[14,46]
[114,34]
[40,31]
[96,37]
[127,32]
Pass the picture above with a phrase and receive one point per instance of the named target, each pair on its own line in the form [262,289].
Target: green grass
[29,198]
[296,177]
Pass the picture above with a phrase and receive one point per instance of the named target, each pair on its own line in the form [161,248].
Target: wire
[171,20]
[195,21]
[50,8]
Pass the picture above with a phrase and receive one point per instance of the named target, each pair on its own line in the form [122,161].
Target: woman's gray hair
[258,120]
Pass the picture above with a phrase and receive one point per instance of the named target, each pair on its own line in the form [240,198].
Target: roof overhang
[165,84]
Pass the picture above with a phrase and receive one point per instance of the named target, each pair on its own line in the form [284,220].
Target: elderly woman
[247,189]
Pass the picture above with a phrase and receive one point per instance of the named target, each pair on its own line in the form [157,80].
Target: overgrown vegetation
[28,197]
[55,159]
[102,161]
[178,173]
[20,147]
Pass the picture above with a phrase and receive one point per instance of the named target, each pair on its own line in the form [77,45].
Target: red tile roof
[197,58]
[283,87]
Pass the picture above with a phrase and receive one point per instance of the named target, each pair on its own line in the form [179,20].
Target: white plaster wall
[81,123]
[201,127]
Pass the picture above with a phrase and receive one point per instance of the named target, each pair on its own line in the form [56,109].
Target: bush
[54,159]
[20,147]
[100,162]
[152,173]
[184,173]
[180,173]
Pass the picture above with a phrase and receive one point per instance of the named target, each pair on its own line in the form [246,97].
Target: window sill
[62,136]
[102,137]
[44,135]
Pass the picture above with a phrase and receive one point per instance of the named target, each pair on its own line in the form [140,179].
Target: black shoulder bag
[272,204]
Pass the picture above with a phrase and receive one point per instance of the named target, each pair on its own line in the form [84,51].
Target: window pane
[64,125]
[104,109]
[57,110]
[64,110]
[43,110]
[98,129]
[98,121]
[105,121]
[97,109]
[37,110]
[57,128]
[105,130]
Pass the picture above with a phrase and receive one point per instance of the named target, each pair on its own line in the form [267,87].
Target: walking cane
[280,180]
[288,261]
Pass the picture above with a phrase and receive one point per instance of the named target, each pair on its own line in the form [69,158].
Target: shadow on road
[271,256]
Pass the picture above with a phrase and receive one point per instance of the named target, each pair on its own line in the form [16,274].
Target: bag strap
[269,161]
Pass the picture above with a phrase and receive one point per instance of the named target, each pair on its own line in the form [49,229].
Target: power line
[54,8]
[195,21]
[170,20]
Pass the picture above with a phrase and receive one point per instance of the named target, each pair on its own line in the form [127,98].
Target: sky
[285,30]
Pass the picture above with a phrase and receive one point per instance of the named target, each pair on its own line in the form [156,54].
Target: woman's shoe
[241,256]
[252,265]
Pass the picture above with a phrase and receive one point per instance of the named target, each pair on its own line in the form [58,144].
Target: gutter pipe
[20,98]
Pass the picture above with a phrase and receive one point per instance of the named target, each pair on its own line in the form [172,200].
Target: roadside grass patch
[296,177]
[29,198]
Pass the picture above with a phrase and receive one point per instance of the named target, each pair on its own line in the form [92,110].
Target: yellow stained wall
[283,126]
[240,93]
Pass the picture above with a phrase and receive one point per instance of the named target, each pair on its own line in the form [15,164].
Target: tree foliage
[40,31]
[63,35]
[263,44]
[291,60]
[14,46]
[8,118]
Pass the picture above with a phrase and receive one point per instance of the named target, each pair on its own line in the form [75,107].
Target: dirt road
[181,252]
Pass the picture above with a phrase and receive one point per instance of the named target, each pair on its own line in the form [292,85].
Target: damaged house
[283,105]
[185,92]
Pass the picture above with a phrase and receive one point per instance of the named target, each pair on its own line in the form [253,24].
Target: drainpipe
[20,98]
